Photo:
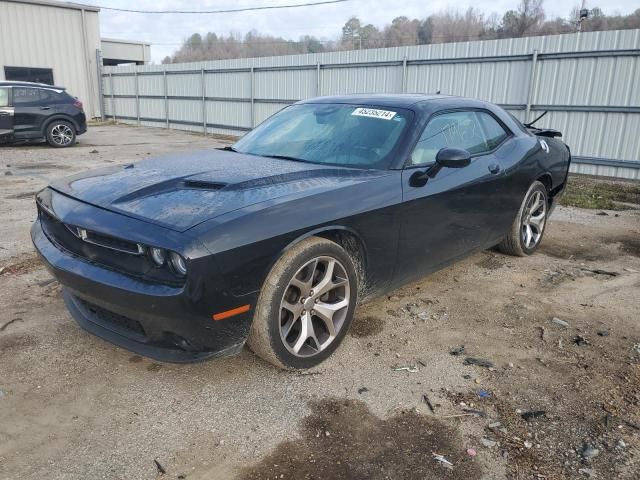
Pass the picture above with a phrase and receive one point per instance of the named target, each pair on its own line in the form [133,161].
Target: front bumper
[167,323]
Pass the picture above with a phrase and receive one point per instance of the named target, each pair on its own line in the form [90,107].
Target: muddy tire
[305,306]
[60,134]
[528,227]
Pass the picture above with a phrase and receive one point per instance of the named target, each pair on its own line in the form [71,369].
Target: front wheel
[61,134]
[528,226]
[305,306]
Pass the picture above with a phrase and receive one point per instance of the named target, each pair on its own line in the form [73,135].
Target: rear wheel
[61,134]
[528,226]
[305,306]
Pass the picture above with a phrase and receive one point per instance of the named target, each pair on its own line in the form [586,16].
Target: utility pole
[583,14]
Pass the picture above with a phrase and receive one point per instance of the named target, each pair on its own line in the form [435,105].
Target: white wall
[126,50]
[45,35]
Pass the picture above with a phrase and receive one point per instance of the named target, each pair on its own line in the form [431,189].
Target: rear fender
[53,118]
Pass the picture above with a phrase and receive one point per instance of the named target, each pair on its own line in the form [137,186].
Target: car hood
[179,192]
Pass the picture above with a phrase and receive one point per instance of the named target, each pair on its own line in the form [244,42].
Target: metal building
[117,52]
[51,42]
[59,43]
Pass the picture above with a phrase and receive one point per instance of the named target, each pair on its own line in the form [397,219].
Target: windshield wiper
[285,157]
[228,148]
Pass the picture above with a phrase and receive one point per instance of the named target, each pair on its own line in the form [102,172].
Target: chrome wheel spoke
[537,221]
[325,284]
[537,203]
[306,332]
[286,328]
[528,236]
[304,285]
[327,311]
[533,220]
[294,308]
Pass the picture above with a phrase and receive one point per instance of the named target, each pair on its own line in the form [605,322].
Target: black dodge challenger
[273,241]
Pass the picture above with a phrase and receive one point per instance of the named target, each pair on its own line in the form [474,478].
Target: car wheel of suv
[305,306]
[528,227]
[61,134]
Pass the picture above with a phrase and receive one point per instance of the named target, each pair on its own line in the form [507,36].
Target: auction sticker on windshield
[375,113]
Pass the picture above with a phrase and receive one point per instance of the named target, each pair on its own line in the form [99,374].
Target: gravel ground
[558,400]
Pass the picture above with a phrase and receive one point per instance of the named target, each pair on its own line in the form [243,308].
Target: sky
[166,32]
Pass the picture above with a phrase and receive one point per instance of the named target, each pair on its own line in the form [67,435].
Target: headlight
[178,263]
[158,255]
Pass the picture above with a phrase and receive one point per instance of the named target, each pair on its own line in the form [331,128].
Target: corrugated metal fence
[589,82]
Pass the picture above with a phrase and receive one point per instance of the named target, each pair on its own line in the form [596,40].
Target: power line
[231,10]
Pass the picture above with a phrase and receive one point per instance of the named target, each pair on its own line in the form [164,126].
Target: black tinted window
[476,132]
[26,97]
[50,97]
[28,74]
[493,131]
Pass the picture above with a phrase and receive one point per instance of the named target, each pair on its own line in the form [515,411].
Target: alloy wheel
[314,306]
[533,220]
[61,134]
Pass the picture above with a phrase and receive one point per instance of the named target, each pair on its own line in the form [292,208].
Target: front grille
[106,241]
[107,318]
[109,252]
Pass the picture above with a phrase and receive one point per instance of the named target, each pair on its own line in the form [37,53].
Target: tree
[425,31]
[446,26]
[350,32]
[402,31]
[453,26]
[527,19]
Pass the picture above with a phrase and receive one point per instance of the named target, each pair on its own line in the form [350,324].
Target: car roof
[10,83]
[399,100]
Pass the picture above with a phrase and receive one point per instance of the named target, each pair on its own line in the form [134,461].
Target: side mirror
[451,157]
[448,157]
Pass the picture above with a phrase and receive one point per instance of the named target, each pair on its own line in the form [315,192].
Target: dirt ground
[550,399]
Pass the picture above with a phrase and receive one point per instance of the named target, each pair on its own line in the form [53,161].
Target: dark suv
[31,111]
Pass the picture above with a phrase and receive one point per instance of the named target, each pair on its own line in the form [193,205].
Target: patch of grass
[599,194]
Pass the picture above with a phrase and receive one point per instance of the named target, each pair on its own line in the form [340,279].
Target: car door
[456,211]
[6,114]
[28,112]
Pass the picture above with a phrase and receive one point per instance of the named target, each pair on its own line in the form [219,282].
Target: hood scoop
[203,185]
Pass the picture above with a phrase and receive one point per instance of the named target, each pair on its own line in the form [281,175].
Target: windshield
[334,134]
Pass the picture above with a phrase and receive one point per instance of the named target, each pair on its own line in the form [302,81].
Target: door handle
[494,168]
[45,108]
[4,114]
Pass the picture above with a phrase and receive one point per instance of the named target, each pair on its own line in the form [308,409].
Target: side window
[4,97]
[493,131]
[454,129]
[49,97]
[25,97]
[476,132]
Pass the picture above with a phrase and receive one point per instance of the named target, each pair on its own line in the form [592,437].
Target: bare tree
[527,19]
[446,26]
[453,26]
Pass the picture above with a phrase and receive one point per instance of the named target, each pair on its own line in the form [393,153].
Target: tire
[281,314]
[528,227]
[61,134]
